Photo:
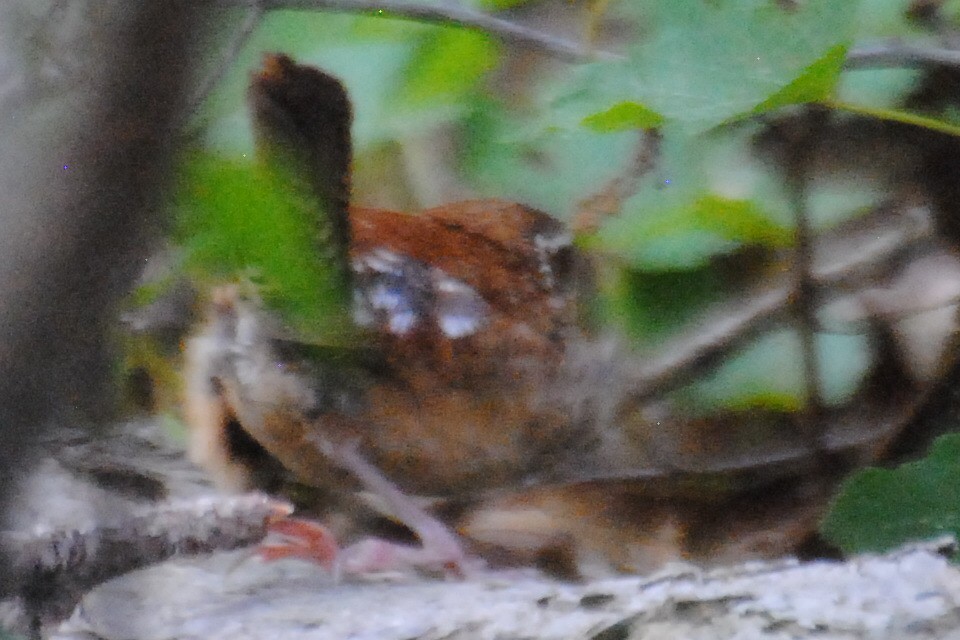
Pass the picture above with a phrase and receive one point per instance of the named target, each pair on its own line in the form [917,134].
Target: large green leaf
[691,233]
[243,221]
[707,197]
[508,154]
[879,509]
[703,63]
[650,305]
[624,115]
[447,65]
[815,83]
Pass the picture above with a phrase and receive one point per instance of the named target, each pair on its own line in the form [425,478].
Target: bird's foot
[313,542]
[302,539]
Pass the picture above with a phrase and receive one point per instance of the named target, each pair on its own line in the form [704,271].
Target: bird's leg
[303,539]
[439,546]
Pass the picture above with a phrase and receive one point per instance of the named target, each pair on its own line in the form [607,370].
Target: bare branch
[879,239]
[898,54]
[805,295]
[80,209]
[53,571]
[883,55]
[889,54]
[229,54]
[448,15]
[608,200]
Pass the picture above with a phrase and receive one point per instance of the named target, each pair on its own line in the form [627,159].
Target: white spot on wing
[387,293]
[552,243]
[401,323]
[547,246]
[363,315]
[459,326]
[446,284]
[460,311]
[396,293]
[387,298]
[382,261]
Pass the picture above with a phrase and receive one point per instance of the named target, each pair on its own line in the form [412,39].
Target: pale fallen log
[52,570]
[911,593]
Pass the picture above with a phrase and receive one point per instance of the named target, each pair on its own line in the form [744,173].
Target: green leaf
[510,155]
[499,5]
[878,88]
[814,84]
[740,220]
[680,217]
[650,305]
[705,63]
[448,64]
[685,249]
[623,115]
[901,116]
[887,19]
[236,220]
[880,509]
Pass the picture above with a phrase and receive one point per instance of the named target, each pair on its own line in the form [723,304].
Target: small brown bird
[467,309]
[478,405]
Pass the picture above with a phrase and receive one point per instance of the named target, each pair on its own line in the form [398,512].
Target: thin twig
[860,326]
[889,54]
[608,200]
[898,54]
[448,15]
[805,296]
[678,361]
[229,54]
[51,572]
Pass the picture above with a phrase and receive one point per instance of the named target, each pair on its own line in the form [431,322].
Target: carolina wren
[471,315]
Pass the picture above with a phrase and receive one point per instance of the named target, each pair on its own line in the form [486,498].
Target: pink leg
[305,539]
[440,548]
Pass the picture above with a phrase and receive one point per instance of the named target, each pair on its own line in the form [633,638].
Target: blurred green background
[443,113]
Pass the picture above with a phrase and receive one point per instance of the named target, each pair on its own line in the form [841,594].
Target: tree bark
[79,179]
